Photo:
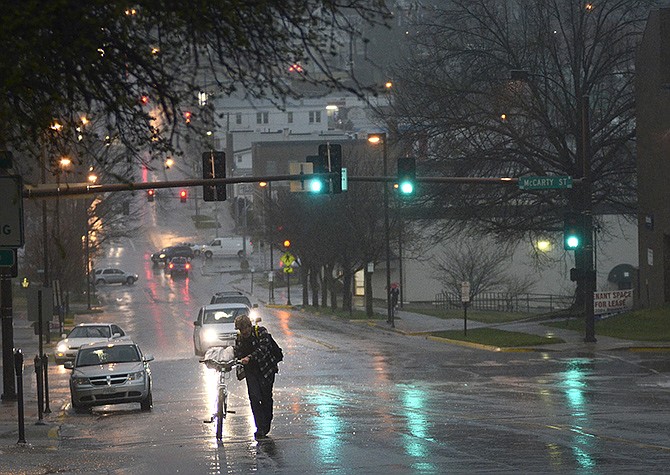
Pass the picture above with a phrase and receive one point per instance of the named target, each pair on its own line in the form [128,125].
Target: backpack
[275,349]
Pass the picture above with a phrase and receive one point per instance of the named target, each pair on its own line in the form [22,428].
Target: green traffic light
[572,242]
[316,185]
[406,187]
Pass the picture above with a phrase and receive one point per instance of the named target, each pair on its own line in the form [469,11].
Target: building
[653,166]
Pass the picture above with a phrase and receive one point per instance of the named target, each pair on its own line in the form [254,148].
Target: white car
[110,373]
[83,334]
[215,325]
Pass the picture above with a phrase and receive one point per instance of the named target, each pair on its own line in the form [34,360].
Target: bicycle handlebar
[221,365]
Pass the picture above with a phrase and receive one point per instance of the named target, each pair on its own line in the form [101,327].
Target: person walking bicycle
[253,351]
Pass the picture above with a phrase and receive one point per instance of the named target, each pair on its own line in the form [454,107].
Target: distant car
[215,325]
[110,373]
[178,266]
[82,334]
[167,253]
[231,297]
[112,275]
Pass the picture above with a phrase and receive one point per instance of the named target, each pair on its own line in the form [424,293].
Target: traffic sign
[465,292]
[287,259]
[11,213]
[544,182]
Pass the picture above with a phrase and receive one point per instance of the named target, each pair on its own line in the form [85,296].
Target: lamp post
[375,139]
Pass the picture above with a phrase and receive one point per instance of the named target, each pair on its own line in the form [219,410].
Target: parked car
[167,253]
[82,334]
[178,266]
[231,296]
[215,325]
[112,275]
[110,373]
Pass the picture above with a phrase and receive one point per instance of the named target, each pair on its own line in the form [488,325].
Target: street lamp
[375,139]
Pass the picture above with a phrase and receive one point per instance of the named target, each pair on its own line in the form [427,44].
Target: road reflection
[415,410]
[575,387]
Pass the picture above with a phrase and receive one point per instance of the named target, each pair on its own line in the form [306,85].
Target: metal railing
[505,302]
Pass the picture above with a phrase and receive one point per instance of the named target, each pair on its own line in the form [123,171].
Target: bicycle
[223,368]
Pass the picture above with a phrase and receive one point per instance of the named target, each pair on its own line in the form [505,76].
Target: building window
[314,117]
[289,117]
[262,117]
[238,118]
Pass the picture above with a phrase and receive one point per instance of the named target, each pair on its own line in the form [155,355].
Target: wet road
[354,399]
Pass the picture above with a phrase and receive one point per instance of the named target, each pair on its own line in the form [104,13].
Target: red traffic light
[151,194]
[187,117]
[183,194]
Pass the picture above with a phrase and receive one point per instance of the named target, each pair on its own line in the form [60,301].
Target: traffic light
[183,194]
[287,244]
[573,231]
[331,155]
[406,175]
[317,184]
[150,195]
[214,166]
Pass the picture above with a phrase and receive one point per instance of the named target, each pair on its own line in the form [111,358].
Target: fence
[504,302]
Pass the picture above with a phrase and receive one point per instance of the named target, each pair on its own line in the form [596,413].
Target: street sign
[11,212]
[345,182]
[465,292]
[544,182]
[6,257]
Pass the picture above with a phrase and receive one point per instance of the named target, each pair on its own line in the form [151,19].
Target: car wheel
[208,254]
[130,280]
[240,254]
[147,403]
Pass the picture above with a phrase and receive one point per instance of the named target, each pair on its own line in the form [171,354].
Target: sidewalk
[416,324]
[39,435]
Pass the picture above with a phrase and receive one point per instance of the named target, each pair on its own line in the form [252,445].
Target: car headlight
[210,335]
[62,347]
[137,376]
[161,256]
[79,381]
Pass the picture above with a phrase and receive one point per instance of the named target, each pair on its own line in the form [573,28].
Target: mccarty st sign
[544,182]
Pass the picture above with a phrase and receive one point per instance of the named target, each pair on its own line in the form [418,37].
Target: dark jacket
[257,347]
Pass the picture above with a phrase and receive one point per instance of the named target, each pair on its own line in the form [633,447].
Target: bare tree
[470,261]
[455,101]
[149,70]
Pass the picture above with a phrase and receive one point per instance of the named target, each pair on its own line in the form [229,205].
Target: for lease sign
[613,301]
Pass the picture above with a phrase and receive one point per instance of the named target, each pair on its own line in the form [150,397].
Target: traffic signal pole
[588,276]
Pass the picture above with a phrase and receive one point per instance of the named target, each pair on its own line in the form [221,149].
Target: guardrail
[505,302]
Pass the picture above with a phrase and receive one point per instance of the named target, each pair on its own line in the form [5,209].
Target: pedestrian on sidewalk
[252,348]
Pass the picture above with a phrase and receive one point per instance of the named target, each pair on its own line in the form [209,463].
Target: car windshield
[108,355]
[224,316]
[230,299]
[90,332]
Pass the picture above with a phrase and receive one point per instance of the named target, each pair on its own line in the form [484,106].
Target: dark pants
[260,396]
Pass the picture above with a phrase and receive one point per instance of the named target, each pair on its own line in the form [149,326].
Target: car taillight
[188,266]
[171,265]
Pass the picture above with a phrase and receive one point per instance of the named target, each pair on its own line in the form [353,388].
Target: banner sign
[613,301]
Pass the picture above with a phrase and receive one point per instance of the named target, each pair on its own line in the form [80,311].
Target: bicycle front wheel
[221,408]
